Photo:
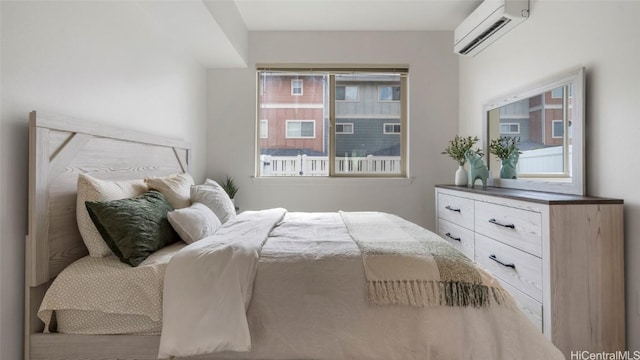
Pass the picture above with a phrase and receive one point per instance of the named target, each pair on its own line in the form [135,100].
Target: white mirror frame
[577,185]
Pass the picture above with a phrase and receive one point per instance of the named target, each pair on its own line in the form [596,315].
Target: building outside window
[509,128]
[389,93]
[557,129]
[333,128]
[296,87]
[557,93]
[346,93]
[297,129]
[391,128]
[264,129]
[344,128]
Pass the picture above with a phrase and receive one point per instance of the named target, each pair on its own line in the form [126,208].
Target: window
[392,128]
[344,128]
[389,93]
[264,129]
[296,87]
[346,93]
[301,129]
[557,93]
[509,128]
[557,129]
[314,134]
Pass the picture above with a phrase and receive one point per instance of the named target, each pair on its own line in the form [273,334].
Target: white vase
[461,176]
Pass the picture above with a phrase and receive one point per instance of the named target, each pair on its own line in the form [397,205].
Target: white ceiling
[215,32]
[350,15]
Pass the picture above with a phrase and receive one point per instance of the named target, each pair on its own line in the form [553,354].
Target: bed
[306,295]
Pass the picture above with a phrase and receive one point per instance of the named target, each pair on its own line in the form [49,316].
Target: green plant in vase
[456,150]
[506,149]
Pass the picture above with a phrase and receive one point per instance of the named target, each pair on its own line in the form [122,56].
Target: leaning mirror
[545,122]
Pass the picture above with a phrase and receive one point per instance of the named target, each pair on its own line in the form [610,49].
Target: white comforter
[309,302]
[208,288]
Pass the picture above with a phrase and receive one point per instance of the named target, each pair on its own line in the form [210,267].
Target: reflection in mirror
[548,122]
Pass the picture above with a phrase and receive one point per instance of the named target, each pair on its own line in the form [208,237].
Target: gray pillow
[134,228]
[194,223]
[215,198]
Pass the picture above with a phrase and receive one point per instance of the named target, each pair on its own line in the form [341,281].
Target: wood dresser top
[533,196]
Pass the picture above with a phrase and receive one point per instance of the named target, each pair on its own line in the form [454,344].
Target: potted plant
[506,149]
[456,149]
[229,186]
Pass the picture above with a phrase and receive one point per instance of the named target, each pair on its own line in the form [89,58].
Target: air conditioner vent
[487,23]
[484,35]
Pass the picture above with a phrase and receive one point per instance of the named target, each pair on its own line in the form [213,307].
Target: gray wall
[90,60]
[433,91]
[559,36]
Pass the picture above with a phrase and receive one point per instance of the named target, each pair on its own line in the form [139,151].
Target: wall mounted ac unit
[487,23]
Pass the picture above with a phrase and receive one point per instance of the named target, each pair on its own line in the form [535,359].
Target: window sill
[314,180]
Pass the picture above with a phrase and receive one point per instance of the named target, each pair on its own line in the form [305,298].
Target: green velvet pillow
[134,228]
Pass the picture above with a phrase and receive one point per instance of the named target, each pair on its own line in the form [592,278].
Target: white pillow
[174,187]
[92,189]
[194,223]
[216,199]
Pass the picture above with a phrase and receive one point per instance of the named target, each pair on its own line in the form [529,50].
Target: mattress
[105,296]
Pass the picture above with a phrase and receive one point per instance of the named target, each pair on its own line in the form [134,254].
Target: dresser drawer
[519,269]
[521,229]
[531,308]
[457,210]
[459,237]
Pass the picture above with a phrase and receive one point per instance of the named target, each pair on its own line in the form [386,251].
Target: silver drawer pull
[452,209]
[452,237]
[494,221]
[495,258]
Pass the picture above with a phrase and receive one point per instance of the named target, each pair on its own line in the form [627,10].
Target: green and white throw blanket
[405,264]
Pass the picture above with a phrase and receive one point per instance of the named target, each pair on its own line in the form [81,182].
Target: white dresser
[561,256]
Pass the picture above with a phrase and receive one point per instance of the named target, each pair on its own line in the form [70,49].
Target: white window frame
[293,87]
[345,93]
[387,86]
[264,135]
[344,132]
[384,129]
[517,132]
[286,129]
[553,129]
[391,168]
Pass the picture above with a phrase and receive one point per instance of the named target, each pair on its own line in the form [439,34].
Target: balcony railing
[304,165]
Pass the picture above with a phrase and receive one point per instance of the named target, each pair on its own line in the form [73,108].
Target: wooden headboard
[61,148]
